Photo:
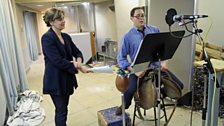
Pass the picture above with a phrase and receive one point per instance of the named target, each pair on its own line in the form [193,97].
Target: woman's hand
[84,69]
[80,67]
[77,64]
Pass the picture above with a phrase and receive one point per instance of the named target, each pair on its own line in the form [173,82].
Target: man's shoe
[119,111]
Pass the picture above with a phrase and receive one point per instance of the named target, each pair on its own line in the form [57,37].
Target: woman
[60,69]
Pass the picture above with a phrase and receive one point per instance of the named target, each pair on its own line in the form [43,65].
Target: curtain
[2,102]
[12,70]
[31,34]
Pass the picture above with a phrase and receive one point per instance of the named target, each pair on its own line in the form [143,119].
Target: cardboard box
[107,117]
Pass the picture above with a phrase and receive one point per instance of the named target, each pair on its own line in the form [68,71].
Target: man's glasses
[139,16]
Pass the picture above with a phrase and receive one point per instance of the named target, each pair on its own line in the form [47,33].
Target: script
[101,69]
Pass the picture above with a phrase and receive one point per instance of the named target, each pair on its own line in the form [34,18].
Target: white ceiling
[42,5]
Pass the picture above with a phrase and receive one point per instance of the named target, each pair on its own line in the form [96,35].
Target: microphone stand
[159,93]
[123,110]
[209,75]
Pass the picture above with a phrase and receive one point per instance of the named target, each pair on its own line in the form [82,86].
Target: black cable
[185,25]
[171,33]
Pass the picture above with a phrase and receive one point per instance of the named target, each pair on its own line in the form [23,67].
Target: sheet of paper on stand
[101,69]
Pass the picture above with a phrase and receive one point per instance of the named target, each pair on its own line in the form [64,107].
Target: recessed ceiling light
[85,3]
[40,5]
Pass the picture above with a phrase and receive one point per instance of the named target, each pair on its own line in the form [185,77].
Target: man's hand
[163,66]
[140,74]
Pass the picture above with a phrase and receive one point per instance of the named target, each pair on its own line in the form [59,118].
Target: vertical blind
[12,70]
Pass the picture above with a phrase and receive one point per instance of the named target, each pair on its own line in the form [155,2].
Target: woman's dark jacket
[59,75]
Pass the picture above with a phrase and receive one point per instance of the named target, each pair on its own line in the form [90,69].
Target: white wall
[181,63]
[141,2]
[105,23]
[123,8]
[214,9]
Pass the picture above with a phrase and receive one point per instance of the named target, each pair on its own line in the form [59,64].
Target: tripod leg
[133,122]
[155,116]
[164,109]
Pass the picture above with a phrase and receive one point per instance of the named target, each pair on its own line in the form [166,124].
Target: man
[129,47]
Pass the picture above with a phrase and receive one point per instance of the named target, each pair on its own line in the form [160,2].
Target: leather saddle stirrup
[172,87]
[146,93]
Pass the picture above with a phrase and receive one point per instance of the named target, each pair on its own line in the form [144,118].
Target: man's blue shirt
[130,43]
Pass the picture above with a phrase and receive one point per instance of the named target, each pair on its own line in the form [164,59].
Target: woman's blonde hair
[51,15]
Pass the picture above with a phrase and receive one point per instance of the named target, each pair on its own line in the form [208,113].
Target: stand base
[107,117]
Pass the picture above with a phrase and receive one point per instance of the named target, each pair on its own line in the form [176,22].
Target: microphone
[171,17]
[178,18]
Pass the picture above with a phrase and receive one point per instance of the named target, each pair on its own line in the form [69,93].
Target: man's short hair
[135,8]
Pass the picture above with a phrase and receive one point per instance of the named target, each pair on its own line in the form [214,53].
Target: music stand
[156,47]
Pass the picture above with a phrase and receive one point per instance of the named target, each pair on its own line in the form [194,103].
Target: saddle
[146,96]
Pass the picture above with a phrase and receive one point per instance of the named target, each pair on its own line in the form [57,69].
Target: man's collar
[139,29]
